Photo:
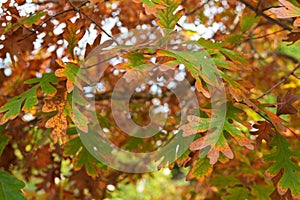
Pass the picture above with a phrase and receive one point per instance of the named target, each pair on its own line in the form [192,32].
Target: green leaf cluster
[82,157]
[168,18]
[28,99]
[281,159]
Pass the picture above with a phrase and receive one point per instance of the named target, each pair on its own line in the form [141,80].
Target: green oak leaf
[45,82]
[248,21]
[225,181]
[10,187]
[3,139]
[281,159]
[215,141]
[237,193]
[33,18]
[82,157]
[168,18]
[13,107]
[201,170]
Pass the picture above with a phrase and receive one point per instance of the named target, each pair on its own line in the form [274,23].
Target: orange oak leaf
[288,10]
[70,71]
[215,143]
[200,88]
[59,121]
[276,120]
[297,22]
[59,124]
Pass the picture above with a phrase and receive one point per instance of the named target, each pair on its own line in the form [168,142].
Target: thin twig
[48,19]
[52,1]
[196,9]
[270,19]
[143,96]
[280,82]
[284,55]
[77,9]
[257,6]
[98,63]
[296,76]
[263,36]
[100,27]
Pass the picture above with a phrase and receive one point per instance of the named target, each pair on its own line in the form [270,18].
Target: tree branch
[49,18]
[196,9]
[77,9]
[263,36]
[52,1]
[270,19]
[280,82]
[137,96]
[284,55]
[257,6]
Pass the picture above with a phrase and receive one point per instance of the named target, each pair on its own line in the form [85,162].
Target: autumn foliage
[45,88]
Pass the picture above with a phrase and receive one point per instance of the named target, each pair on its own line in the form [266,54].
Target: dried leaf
[293,36]
[285,103]
[59,121]
[287,11]
[265,132]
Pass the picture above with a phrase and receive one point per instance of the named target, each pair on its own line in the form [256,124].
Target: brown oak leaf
[264,132]
[285,103]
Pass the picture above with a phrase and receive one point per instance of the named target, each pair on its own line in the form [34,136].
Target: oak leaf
[72,73]
[59,121]
[285,103]
[13,107]
[288,10]
[265,132]
[201,170]
[82,157]
[10,187]
[283,165]
[214,141]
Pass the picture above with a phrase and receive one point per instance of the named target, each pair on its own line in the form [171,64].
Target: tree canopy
[101,93]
